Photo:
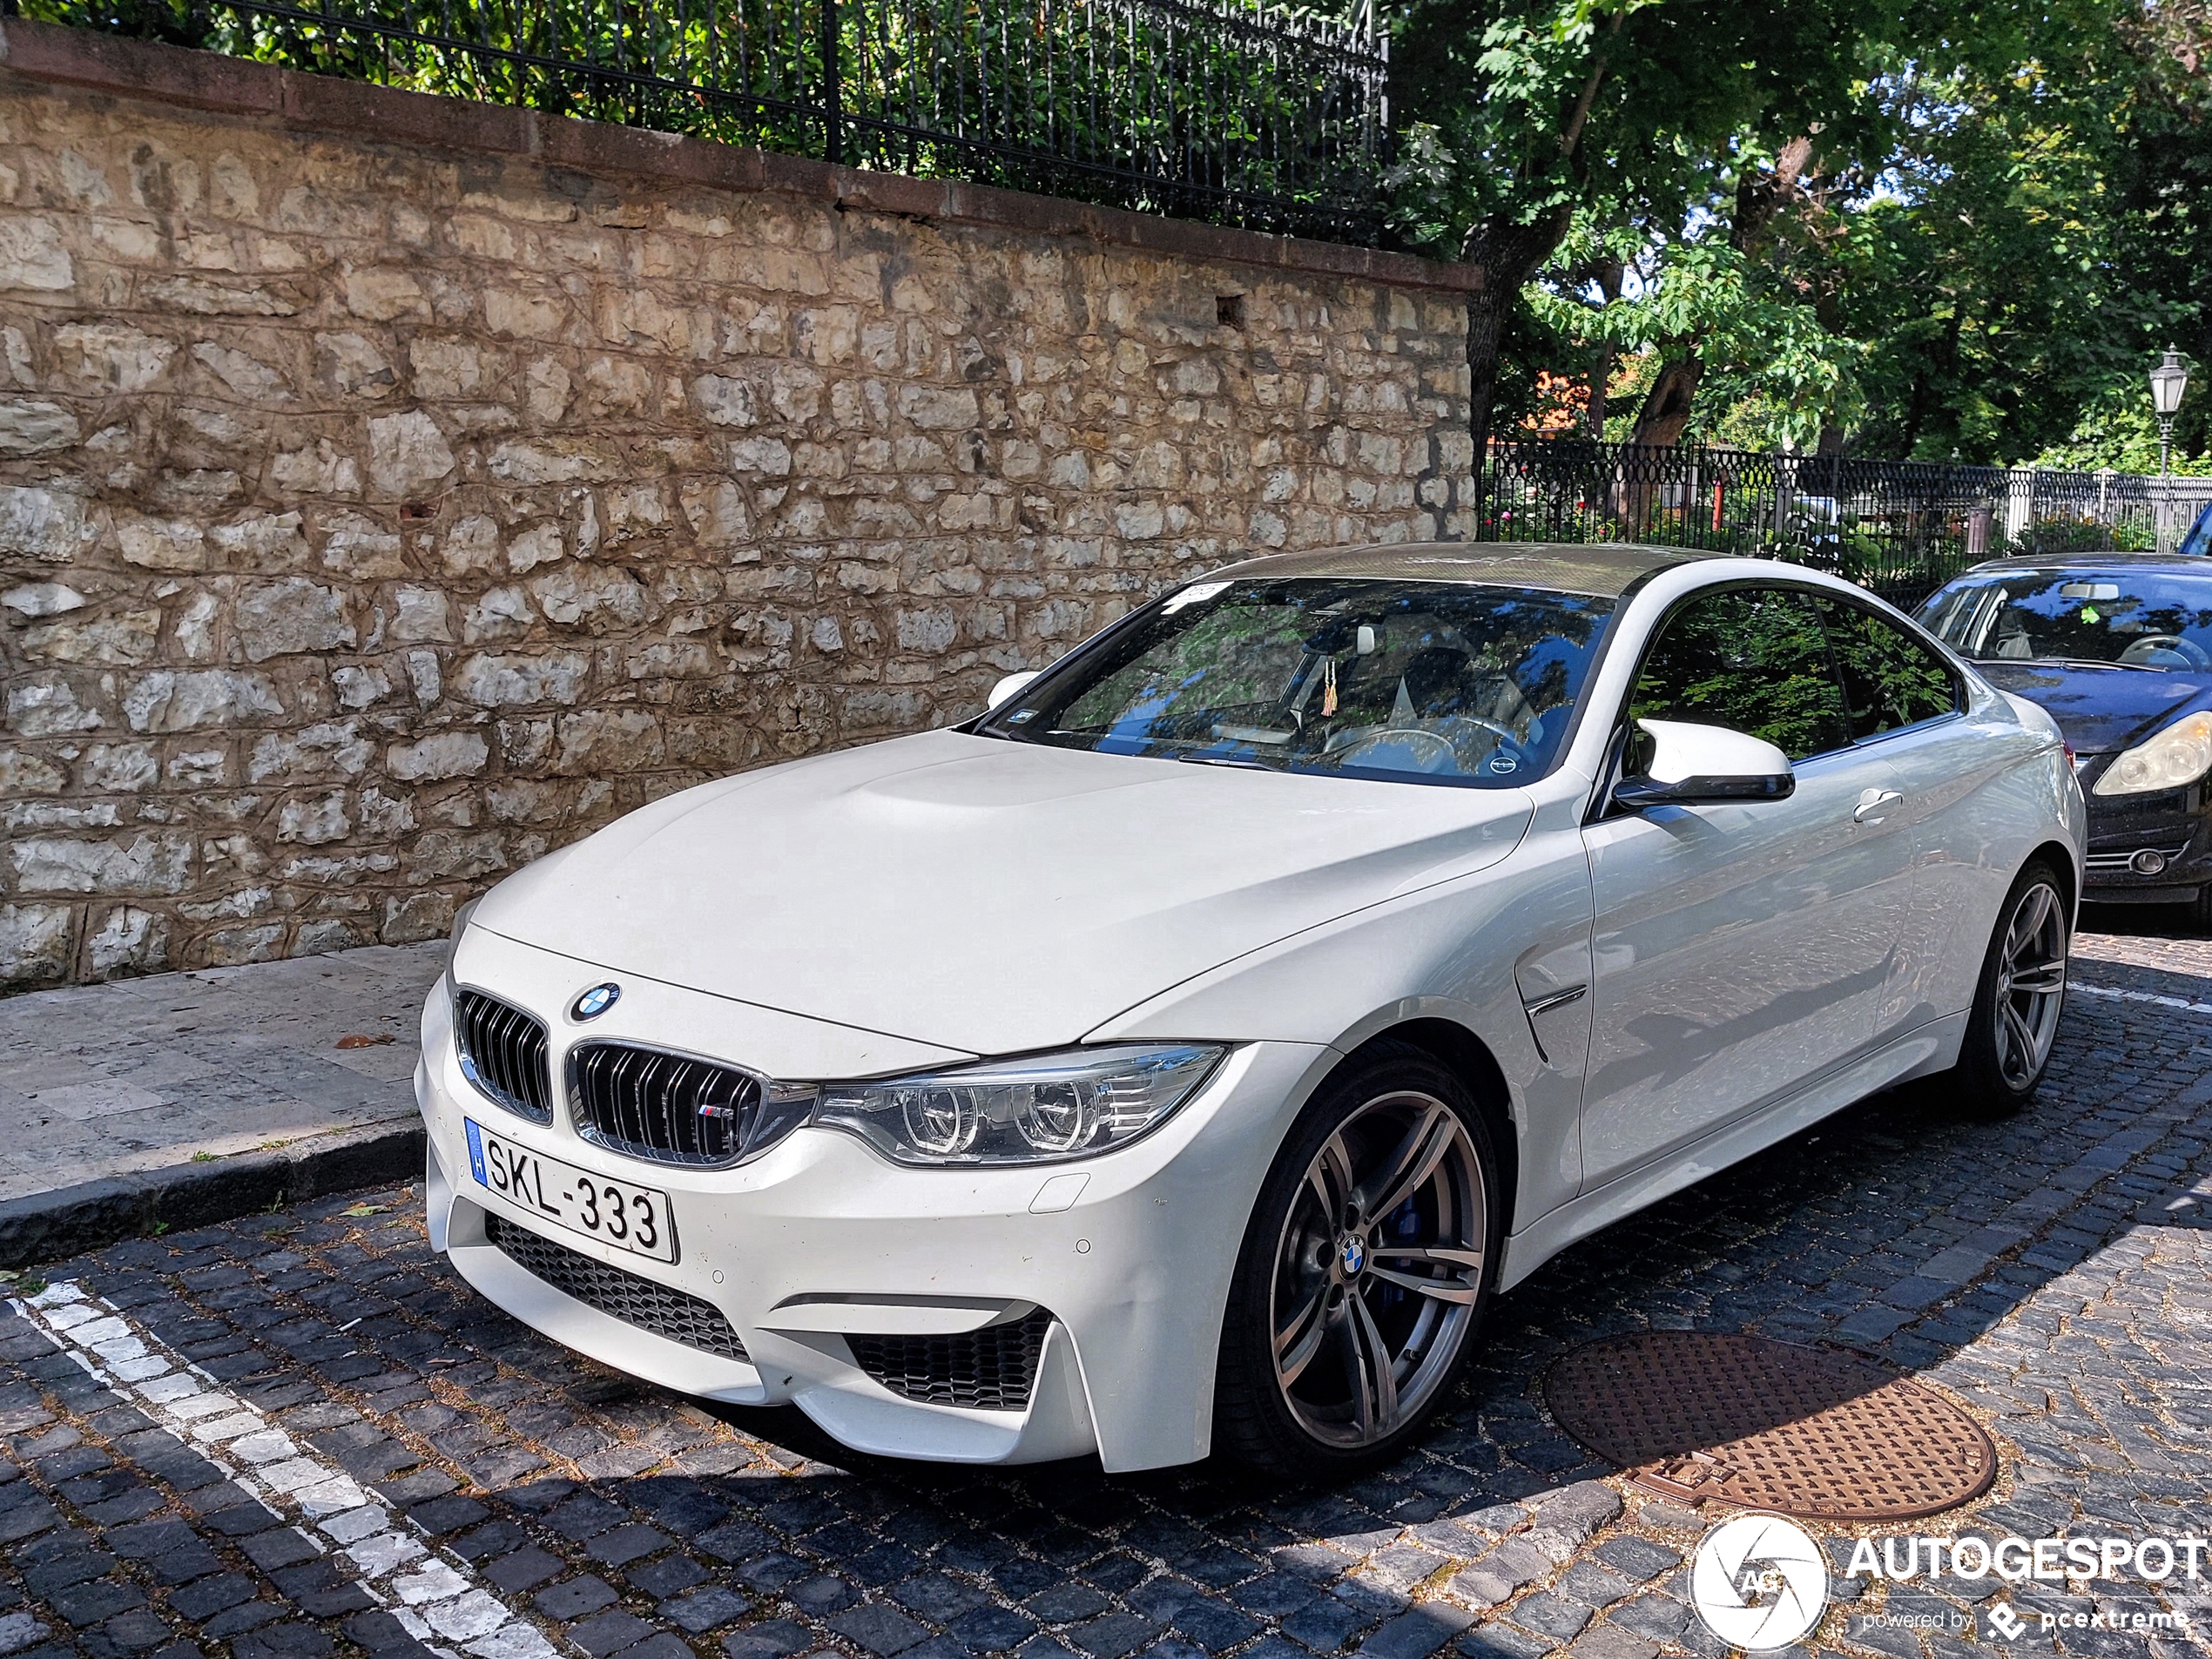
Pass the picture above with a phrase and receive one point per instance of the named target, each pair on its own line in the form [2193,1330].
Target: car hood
[2102,710]
[980,894]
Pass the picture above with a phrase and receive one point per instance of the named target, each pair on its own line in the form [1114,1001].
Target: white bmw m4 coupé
[1178,1057]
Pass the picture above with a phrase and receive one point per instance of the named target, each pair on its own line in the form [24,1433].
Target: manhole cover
[1767,1424]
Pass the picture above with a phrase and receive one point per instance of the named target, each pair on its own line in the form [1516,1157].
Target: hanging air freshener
[1328,686]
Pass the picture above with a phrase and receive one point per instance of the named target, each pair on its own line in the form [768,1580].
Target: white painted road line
[2150,997]
[438,1596]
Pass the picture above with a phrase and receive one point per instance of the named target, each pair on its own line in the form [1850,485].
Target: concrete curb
[53,1226]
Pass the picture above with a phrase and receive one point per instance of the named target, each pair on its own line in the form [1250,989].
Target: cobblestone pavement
[368,1459]
[134,1075]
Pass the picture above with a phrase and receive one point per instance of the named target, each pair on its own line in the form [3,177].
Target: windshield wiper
[1240,762]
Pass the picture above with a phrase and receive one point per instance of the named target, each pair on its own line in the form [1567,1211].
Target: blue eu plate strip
[475,1150]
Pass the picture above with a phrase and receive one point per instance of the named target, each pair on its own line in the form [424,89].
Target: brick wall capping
[149,71]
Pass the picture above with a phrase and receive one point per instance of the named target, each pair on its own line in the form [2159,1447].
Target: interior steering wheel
[2150,643]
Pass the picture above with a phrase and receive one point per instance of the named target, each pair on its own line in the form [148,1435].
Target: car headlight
[460,927]
[1038,1109]
[2180,754]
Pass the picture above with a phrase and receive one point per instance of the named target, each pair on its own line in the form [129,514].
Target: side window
[1891,679]
[1752,659]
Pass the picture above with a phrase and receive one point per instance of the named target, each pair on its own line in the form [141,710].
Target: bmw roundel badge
[595,1001]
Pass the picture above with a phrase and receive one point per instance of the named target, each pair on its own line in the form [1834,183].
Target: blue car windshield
[2146,619]
[1419,682]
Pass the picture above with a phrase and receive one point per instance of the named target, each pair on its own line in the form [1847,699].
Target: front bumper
[820,1240]
[2147,849]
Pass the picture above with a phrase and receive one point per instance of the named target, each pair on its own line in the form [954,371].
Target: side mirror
[1694,765]
[1010,686]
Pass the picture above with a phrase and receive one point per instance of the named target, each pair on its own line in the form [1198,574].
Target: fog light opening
[2149,862]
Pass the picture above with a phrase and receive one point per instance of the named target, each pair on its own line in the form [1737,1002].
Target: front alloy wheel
[1364,1272]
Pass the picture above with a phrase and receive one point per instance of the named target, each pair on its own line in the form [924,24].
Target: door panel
[1739,951]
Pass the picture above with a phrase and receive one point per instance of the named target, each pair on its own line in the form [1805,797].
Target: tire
[2201,911]
[1397,1120]
[2019,998]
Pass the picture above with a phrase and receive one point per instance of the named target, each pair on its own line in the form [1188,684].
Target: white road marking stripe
[2151,997]
[440,1597]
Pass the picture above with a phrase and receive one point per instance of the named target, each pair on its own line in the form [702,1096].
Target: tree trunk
[1666,408]
[1609,276]
[1508,255]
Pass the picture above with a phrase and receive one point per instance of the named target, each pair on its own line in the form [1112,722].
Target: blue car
[2118,648]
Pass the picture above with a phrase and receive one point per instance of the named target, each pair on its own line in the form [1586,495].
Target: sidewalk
[187,1098]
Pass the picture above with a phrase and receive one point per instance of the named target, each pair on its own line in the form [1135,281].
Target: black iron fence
[1232,111]
[1901,529]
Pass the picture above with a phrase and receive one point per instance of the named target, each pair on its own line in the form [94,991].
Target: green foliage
[2005,212]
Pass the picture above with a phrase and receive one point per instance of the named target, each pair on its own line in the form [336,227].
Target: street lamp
[2168,380]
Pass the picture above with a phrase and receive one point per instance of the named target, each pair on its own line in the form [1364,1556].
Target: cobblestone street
[369,1457]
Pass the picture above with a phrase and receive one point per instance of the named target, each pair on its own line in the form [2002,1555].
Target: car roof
[1601,569]
[2091,563]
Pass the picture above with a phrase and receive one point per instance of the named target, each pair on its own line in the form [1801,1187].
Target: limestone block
[379,294]
[540,544]
[49,525]
[496,681]
[146,863]
[34,427]
[114,768]
[314,820]
[120,638]
[318,469]
[166,700]
[33,257]
[112,357]
[414,917]
[262,542]
[244,377]
[353,366]
[356,545]
[161,544]
[407,453]
[35,941]
[296,615]
[359,685]
[592,595]
[126,939]
[444,754]
[23,773]
[46,706]
[598,741]
[421,615]
[329,748]
[43,599]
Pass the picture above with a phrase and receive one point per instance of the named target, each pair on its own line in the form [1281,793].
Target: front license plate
[614,1213]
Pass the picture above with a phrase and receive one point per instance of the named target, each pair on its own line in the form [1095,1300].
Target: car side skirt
[1926,1049]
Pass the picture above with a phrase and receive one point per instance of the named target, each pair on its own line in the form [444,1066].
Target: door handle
[1874,806]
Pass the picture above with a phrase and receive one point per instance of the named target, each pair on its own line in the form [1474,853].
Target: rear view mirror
[1693,765]
[1012,686]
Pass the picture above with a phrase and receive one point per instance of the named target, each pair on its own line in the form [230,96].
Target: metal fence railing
[1236,111]
[1901,529]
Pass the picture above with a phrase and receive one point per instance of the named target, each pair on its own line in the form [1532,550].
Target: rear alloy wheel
[1363,1273]
[2015,1018]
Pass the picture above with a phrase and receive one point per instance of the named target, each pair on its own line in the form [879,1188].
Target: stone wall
[392,489]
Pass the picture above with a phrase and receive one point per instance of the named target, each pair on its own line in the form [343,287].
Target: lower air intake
[665,1313]
[990,1369]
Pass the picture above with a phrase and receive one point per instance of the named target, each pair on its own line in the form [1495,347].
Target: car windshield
[1426,682]
[2149,619]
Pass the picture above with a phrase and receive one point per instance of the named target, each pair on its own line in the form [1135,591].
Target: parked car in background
[1179,1055]
[2118,647]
